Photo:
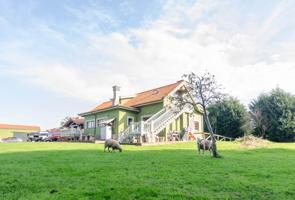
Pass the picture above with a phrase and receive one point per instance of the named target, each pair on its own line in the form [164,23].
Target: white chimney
[116,97]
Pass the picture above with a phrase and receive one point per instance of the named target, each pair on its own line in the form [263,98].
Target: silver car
[11,139]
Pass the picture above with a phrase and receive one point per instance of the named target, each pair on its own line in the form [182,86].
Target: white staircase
[153,126]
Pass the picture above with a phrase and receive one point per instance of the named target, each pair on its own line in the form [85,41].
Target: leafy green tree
[229,117]
[273,115]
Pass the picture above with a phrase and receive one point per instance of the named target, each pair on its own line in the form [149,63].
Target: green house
[144,117]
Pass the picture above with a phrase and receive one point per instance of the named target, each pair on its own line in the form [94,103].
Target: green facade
[183,121]
[149,110]
[101,115]
[121,116]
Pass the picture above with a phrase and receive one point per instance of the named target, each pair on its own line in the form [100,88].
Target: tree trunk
[214,147]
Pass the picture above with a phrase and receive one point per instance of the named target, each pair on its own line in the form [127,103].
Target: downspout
[94,126]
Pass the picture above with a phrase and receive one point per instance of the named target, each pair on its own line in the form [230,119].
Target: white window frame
[130,117]
[98,119]
[92,122]
[194,125]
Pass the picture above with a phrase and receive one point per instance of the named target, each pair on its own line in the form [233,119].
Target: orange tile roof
[152,95]
[102,106]
[19,127]
[149,96]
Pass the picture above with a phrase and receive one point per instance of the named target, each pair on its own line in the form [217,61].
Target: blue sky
[59,58]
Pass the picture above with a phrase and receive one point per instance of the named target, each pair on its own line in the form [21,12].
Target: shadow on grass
[147,174]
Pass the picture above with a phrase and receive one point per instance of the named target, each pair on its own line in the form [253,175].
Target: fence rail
[218,137]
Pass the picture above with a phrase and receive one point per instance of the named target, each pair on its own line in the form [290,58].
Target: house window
[130,120]
[90,124]
[100,121]
[196,125]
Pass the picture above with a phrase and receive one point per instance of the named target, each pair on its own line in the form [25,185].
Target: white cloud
[73,82]
[176,43]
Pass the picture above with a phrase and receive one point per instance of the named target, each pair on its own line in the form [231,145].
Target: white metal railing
[147,127]
[155,124]
[133,128]
[163,118]
[70,133]
[155,116]
[162,121]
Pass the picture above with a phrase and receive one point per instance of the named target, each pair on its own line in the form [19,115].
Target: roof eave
[107,109]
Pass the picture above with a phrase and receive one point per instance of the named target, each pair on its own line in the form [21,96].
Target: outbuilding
[20,131]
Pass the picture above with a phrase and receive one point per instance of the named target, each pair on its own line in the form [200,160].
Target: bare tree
[259,123]
[202,91]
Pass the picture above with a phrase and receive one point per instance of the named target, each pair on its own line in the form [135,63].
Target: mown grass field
[84,171]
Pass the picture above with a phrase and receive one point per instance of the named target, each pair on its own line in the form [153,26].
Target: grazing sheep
[204,145]
[110,143]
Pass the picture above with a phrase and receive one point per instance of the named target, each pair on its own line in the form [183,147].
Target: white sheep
[204,144]
[110,143]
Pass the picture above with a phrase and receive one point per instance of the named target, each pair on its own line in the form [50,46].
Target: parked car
[34,137]
[44,136]
[54,137]
[11,139]
[39,137]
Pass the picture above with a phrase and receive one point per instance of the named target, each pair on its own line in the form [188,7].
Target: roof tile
[149,96]
[19,127]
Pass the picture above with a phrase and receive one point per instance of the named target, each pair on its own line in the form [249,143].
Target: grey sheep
[110,143]
[204,145]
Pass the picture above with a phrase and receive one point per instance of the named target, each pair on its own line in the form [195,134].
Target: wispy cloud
[186,37]
[90,18]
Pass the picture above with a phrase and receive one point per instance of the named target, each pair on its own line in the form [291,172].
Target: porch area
[167,125]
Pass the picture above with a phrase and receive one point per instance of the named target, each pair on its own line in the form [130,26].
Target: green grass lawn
[84,171]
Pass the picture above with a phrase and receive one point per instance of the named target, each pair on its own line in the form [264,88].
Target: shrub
[273,116]
[229,118]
